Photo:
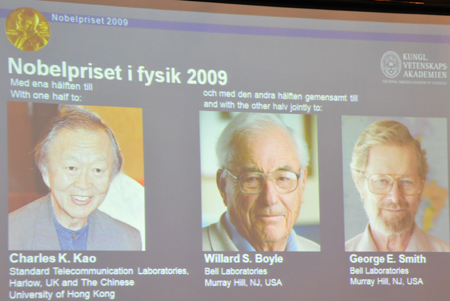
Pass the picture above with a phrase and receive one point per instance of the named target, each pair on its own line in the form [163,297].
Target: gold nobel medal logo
[27,29]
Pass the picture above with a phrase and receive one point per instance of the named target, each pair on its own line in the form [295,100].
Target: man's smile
[81,200]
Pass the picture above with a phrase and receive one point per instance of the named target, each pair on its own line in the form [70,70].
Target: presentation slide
[194,151]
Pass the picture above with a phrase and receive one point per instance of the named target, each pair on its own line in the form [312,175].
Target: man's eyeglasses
[381,184]
[253,182]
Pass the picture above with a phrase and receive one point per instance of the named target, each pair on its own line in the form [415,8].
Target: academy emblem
[391,65]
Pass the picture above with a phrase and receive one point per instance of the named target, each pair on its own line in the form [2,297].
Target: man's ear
[359,182]
[46,178]
[221,184]
[302,179]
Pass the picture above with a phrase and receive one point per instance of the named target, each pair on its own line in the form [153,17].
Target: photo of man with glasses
[389,169]
[261,179]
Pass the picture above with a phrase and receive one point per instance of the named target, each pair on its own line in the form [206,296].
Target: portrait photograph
[395,173]
[75,177]
[260,182]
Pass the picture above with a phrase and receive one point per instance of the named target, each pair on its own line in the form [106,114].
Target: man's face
[268,216]
[80,165]
[24,23]
[394,212]
[20,23]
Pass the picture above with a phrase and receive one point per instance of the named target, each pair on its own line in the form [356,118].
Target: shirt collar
[415,243]
[71,239]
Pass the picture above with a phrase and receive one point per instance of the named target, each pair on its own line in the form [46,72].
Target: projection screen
[200,151]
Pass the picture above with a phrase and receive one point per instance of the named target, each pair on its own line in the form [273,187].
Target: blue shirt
[70,239]
[243,245]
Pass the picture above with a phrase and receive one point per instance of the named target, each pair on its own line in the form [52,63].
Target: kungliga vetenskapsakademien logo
[391,65]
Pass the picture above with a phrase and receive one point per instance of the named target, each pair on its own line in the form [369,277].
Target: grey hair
[386,132]
[73,118]
[246,124]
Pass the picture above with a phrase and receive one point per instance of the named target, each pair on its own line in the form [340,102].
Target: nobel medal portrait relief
[27,29]
[259,182]
[395,184]
[76,178]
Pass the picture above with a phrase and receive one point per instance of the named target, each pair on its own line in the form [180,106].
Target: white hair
[73,118]
[246,124]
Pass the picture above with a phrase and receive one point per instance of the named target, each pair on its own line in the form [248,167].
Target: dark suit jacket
[31,228]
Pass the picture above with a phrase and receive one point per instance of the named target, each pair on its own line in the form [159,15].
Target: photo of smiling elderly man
[399,169]
[79,159]
[252,201]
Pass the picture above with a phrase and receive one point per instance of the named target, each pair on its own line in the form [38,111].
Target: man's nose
[395,193]
[83,180]
[269,194]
